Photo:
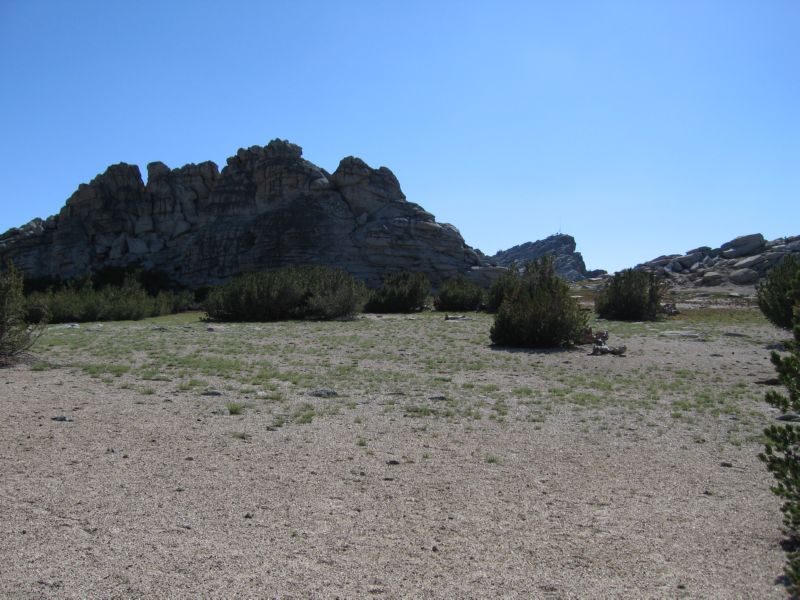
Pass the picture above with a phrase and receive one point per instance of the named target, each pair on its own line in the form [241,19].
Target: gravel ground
[159,494]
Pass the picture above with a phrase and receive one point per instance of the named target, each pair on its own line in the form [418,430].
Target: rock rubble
[742,261]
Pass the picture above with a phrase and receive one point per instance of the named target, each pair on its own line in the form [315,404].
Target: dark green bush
[16,335]
[537,310]
[79,301]
[782,452]
[630,296]
[400,293]
[459,293]
[500,288]
[288,293]
[779,293]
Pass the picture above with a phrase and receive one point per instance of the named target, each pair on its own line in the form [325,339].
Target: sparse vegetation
[537,310]
[630,296]
[400,293]
[304,414]
[420,367]
[16,335]
[782,452]
[313,292]
[459,293]
[779,293]
[234,408]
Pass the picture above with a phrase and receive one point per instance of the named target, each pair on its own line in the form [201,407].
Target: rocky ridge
[741,261]
[568,263]
[267,208]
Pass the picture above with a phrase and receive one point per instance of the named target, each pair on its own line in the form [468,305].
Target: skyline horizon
[489,254]
[640,129]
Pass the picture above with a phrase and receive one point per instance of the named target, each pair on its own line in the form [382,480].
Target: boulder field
[741,261]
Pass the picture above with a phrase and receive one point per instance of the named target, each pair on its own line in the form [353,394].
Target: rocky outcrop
[742,261]
[568,263]
[267,208]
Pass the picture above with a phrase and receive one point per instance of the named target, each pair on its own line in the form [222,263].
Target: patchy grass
[234,408]
[421,367]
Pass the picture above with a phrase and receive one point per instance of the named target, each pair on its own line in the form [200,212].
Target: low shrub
[537,310]
[16,335]
[79,301]
[400,293]
[630,296]
[500,288]
[311,292]
[459,293]
[779,292]
[782,453]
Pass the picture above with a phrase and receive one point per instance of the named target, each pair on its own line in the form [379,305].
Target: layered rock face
[266,209]
[568,263]
[742,261]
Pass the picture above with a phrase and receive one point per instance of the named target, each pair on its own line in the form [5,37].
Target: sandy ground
[154,496]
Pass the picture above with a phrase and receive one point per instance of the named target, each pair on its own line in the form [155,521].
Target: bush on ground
[79,301]
[779,293]
[16,335]
[538,310]
[630,296]
[459,293]
[311,292]
[500,288]
[782,453]
[400,293]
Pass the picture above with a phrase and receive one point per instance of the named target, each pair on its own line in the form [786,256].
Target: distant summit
[568,263]
[267,208]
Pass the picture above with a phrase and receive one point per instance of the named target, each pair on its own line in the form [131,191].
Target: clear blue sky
[639,127]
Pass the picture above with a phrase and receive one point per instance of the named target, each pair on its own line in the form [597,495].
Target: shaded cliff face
[266,209]
[568,263]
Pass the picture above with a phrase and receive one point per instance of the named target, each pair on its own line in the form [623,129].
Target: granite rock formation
[742,261]
[568,263]
[267,208]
